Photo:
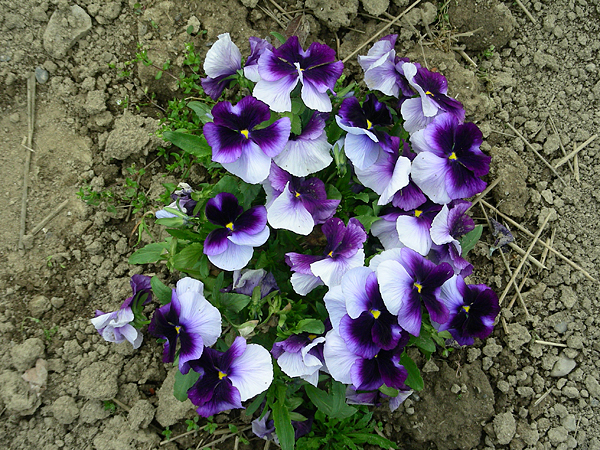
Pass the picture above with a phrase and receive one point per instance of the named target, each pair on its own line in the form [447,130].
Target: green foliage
[109,405]
[469,240]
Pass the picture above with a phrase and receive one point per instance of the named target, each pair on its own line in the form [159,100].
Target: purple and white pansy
[222,62]
[231,246]
[182,201]
[237,143]
[283,68]
[300,355]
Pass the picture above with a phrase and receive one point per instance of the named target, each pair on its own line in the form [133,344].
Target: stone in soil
[66,27]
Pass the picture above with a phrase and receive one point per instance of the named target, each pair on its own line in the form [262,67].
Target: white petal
[253,240]
[399,180]
[303,283]
[393,254]
[338,358]
[288,213]
[314,99]
[361,150]
[222,58]
[386,233]
[393,279]
[253,371]
[235,257]
[253,166]
[276,94]
[189,284]
[439,227]
[200,316]
[331,272]
[413,235]
[429,173]
[353,287]
[412,113]
[303,157]
[335,302]
[133,335]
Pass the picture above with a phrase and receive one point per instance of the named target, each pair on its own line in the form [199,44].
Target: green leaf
[151,253]
[174,222]
[469,240]
[332,192]
[333,405]
[389,391]
[372,439]
[424,342]
[297,417]
[187,235]
[255,404]
[189,143]
[183,383]
[367,221]
[235,302]
[283,422]
[188,257]
[414,379]
[362,196]
[163,292]
[279,36]
[313,326]
[202,110]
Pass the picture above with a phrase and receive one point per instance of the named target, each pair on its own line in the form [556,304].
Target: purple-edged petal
[462,183]
[223,209]
[335,302]
[252,372]
[357,333]
[223,58]
[235,257]
[304,283]
[289,213]
[273,138]
[343,241]
[252,240]
[354,287]
[408,198]
[216,242]
[227,145]
[430,174]
[213,396]
[253,165]
[252,221]
[361,150]
[338,358]
[412,113]
[257,48]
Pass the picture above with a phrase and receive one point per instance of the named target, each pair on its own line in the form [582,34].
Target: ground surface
[510,391]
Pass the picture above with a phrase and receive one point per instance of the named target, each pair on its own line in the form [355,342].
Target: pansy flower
[358,313]
[245,280]
[297,204]
[344,250]
[223,60]
[182,200]
[257,48]
[449,163]
[414,227]
[231,246]
[283,68]
[307,152]
[227,379]
[300,355]
[364,139]
[473,309]
[452,223]
[385,229]
[447,253]
[375,398]
[238,145]
[432,88]
[407,281]
[410,196]
[188,319]
[118,326]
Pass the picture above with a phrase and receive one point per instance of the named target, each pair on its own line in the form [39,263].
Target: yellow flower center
[230,226]
[330,254]
[369,124]
[222,375]
[245,133]
[466,308]
[418,212]
[452,156]
[177,328]
[375,313]
[297,194]
[428,93]
[419,287]
[312,337]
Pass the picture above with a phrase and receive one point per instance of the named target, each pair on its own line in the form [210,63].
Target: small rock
[195,23]
[570,423]
[517,336]
[41,75]
[491,349]
[92,411]
[592,386]
[552,144]
[375,7]
[65,28]
[568,297]
[99,381]
[140,415]
[570,392]
[430,367]
[26,354]
[14,118]
[16,395]
[505,427]
[95,102]
[39,305]
[557,435]
[65,410]
[57,302]
[563,366]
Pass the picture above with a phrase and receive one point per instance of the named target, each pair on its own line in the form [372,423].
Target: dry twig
[49,217]
[30,128]
[574,152]
[525,10]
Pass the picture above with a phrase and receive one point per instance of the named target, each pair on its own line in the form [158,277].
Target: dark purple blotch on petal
[343,241]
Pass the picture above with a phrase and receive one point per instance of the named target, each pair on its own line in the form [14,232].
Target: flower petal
[273,138]
[338,358]
[234,257]
[354,287]
[335,302]
[276,94]
[430,172]
[301,157]
[361,150]
[252,240]
[216,242]
[304,283]
[288,212]
[253,165]
[313,99]
[413,232]
[332,270]
[223,58]
[252,372]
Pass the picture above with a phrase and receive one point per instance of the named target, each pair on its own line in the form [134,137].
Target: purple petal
[343,241]
[252,221]
[462,183]
[227,145]
[382,75]
[301,263]
[163,325]
[245,115]
[223,209]
[273,138]
[312,194]
[213,395]
[216,242]
[357,334]
[408,198]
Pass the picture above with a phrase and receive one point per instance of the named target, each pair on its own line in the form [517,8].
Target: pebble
[41,75]
[505,427]
[570,392]
[39,305]
[557,435]
[563,366]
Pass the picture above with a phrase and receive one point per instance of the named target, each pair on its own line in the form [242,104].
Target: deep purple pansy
[473,309]
[227,379]
[409,197]
[188,319]
[344,251]
[300,355]
[231,247]
[222,61]
[307,152]
[236,143]
[283,68]
[117,326]
[182,201]
[409,281]
[357,311]
[364,139]
[297,204]
[449,163]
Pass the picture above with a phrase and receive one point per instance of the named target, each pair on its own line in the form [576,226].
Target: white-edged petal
[413,234]
[335,303]
[354,288]
[304,283]
[253,240]
[235,257]
[223,57]
[429,173]
[288,213]
[253,166]
[303,157]
[332,271]
[338,358]
[189,284]
[276,94]
[393,279]
[252,372]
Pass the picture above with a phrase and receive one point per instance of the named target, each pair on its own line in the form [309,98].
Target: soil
[533,384]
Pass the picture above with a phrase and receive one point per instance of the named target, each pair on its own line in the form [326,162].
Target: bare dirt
[533,384]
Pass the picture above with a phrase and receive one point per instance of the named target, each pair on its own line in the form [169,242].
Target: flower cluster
[321,175]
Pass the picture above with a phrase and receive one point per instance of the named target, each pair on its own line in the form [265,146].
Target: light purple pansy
[283,68]
[357,311]
[410,196]
[447,253]
[182,201]
[117,326]
[449,163]
[432,87]
[473,310]
[364,373]
[300,355]
[409,281]
[188,319]
[365,139]
[257,48]
[451,223]
[297,204]
[388,175]
[414,227]
[227,379]
[375,398]
[307,152]
[344,251]
[385,229]
[244,282]
[242,149]
[222,61]
[232,246]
